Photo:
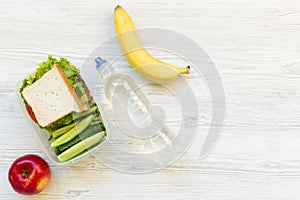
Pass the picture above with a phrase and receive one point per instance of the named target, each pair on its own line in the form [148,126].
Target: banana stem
[185,70]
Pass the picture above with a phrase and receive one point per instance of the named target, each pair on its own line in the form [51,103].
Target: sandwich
[57,100]
[52,97]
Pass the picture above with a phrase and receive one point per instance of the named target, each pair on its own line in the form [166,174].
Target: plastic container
[43,135]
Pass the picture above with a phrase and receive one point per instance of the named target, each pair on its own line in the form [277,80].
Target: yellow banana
[145,64]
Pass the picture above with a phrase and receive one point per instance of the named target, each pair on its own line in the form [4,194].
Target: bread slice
[52,97]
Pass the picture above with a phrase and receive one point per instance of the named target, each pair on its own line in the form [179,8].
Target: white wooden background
[255,45]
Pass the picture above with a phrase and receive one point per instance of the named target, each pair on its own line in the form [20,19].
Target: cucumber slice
[88,132]
[73,132]
[81,147]
[62,130]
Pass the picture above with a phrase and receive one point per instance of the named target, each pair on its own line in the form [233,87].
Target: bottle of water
[135,115]
[125,96]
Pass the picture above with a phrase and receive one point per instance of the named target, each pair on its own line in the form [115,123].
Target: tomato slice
[30,112]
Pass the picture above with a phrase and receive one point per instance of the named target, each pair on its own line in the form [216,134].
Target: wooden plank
[255,47]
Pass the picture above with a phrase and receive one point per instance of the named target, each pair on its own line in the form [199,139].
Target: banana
[145,64]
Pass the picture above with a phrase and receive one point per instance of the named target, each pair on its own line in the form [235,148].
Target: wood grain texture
[255,45]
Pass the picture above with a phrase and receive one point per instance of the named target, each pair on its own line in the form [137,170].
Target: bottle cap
[99,62]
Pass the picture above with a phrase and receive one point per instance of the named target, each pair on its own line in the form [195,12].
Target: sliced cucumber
[73,132]
[56,150]
[84,113]
[81,147]
[62,130]
[88,132]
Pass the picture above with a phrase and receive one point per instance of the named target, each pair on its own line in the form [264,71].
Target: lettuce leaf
[70,71]
[79,89]
[60,123]
[70,118]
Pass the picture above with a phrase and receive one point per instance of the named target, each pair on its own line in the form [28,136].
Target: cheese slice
[52,97]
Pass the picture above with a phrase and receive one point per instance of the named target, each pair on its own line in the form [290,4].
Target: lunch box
[43,135]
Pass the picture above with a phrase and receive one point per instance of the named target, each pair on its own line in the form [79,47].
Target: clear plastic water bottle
[135,114]
[126,98]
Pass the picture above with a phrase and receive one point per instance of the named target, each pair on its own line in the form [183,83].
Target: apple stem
[25,173]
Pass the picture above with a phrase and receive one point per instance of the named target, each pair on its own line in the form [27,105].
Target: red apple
[29,174]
